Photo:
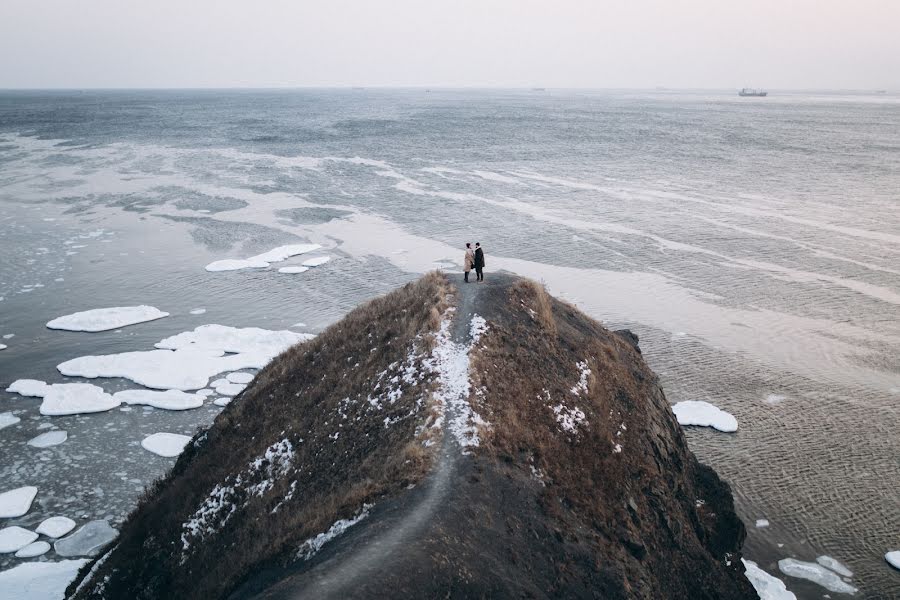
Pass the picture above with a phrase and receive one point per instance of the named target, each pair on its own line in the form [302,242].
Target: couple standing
[474,259]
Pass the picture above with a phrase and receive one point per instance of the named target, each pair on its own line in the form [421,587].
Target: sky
[775,44]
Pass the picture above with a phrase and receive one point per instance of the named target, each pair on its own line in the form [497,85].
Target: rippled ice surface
[754,245]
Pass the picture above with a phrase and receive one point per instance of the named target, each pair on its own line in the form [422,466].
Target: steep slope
[479,441]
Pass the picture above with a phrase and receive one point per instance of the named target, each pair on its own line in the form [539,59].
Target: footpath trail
[382,546]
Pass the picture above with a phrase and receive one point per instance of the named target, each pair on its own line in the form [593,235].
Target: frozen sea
[752,243]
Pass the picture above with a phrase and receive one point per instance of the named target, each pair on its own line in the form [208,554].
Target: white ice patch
[816,573]
[310,547]
[165,444]
[239,377]
[767,587]
[221,338]
[570,419]
[13,539]
[316,261]
[17,502]
[55,527]
[38,580]
[51,438]
[833,564]
[198,311]
[31,388]
[293,270]
[229,389]
[7,419]
[760,523]
[451,362]
[584,372]
[104,319]
[893,558]
[704,414]
[261,261]
[33,549]
[3,346]
[774,399]
[167,400]
[222,401]
[76,398]
[87,541]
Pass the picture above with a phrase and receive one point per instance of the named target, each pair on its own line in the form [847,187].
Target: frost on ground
[51,438]
[55,527]
[893,558]
[451,363]
[224,499]
[767,587]
[104,319]
[38,580]
[704,414]
[87,541]
[167,400]
[13,539]
[17,502]
[816,573]
[7,419]
[33,549]
[165,444]
[261,261]
[310,547]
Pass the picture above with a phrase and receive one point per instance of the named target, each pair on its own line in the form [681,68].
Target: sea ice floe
[103,319]
[17,502]
[198,311]
[234,339]
[87,541]
[834,565]
[230,389]
[76,398]
[816,573]
[893,558]
[38,580]
[239,377]
[31,388]
[760,523]
[704,414]
[205,392]
[13,539]
[222,401]
[7,419]
[51,438]
[293,270]
[165,444]
[33,549]
[55,527]
[316,261]
[261,261]
[3,346]
[166,400]
[774,399]
[767,586]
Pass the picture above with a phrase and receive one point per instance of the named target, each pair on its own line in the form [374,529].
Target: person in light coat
[468,261]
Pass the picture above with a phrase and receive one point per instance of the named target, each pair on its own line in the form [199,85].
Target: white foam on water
[293,270]
[55,527]
[33,549]
[51,438]
[166,400]
[240,377]
[31,388]
[816,573]
[167,445]
[13,539]
[38,580]
[17,502]
[767,586]
[262,261]
[7,419]
[76,398]
[104,319]
[704,414]
[316,261]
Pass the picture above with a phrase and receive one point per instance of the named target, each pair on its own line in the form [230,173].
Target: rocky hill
[479,440]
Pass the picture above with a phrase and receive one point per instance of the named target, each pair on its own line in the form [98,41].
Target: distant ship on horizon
[752,92]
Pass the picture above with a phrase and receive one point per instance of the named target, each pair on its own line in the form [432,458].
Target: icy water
[753,244]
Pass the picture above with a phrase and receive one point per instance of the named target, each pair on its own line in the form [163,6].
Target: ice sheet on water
[198,311]
[230,389]
[33,549]
[13,539]
[834,565]
[235,339]
[239,377]
[76,398]
[261,261]
[55,527]
[166,400]
[28,387]
[38,580]
[51,438]
[3,346]
[222,401]
[104,319]
[7,419]
[293,270]
[816,573]
[167,445]
[316,261]
[17,502]
[235,264]
[893,558]
[767,586]
[760,523]
[87,541]
[704,414]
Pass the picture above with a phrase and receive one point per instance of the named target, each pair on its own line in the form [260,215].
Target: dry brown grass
[316,396]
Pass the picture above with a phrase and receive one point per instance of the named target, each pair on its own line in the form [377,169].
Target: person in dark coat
[479,262]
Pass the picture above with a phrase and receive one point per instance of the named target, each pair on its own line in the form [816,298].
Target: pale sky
[776,44]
